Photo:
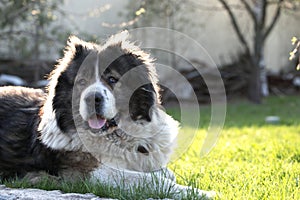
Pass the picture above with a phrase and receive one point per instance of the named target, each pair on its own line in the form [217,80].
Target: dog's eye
[82,82]
[112,80]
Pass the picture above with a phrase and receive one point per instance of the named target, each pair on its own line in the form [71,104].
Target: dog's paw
[165,173]
[199,194]
[181,191]
[206,194]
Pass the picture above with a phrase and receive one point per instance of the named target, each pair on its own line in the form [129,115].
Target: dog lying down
[100,118]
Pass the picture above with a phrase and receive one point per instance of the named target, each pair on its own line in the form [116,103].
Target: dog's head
[97,86]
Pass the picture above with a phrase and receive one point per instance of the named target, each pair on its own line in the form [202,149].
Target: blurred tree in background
[28,27]
[258,11]
[263,14]
[170,14]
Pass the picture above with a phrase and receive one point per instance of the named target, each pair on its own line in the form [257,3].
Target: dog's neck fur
[120,149]
[134,146]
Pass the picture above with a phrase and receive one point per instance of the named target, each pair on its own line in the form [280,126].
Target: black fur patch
[142,98]
[62,101]
[141,102]
[20,150]
[79,51]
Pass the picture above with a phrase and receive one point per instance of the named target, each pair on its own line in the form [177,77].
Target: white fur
[158,137]
[109,104]
[51,135]
[54,138]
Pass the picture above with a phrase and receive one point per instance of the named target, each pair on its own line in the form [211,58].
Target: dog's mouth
[98,123]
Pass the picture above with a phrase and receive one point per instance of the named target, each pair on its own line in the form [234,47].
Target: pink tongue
[96,122]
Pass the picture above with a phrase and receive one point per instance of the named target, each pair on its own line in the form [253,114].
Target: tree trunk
[255,79]
[258,84]
[258,78]
[254,83]
[263,75]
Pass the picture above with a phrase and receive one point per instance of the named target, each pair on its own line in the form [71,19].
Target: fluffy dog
[100,116]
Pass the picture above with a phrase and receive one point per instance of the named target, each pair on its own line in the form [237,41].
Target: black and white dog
[100,116]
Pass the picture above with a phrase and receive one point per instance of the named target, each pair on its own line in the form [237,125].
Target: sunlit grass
[252,159]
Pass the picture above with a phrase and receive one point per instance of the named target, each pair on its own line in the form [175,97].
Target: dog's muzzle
[97,121]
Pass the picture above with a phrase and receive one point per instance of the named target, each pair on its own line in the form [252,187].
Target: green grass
[252,159]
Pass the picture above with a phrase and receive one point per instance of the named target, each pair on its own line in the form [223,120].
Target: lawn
[252,159]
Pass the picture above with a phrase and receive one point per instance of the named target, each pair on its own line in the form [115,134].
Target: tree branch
[275,19]
[249,10]
[235,25]
[264,12]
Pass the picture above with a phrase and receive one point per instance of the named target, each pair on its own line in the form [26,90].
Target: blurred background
[249,40]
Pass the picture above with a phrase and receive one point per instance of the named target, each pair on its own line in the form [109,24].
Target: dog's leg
[37,177]
[165,173]
[163,181]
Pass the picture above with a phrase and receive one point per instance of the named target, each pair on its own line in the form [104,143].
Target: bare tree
[260,15]
[258,12]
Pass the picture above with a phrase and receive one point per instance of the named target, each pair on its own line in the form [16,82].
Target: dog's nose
[96,98]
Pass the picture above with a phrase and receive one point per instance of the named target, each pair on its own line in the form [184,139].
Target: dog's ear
[77,47]
[141,102]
